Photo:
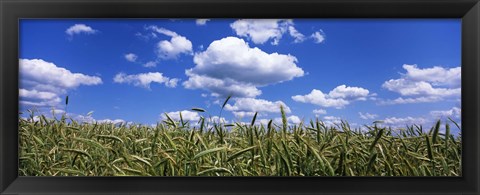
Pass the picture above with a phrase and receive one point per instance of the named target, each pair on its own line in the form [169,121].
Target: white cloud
[42,83]
[79,29]
[231,66]
[249,105]
[455,112]
[261,30]
[39,98]
[415,88]
[84,119]
[242,114]
[37,94]
[150,64]
[397,122]
[186,115]
[43,72]
[262,121]
[294,119]
[319,111]
[131,57]
[145,79]
[162,31]
[291,120]
[57,111]
[425,85]
[50,103]
[331,120]
[172,83]
[317,97]
[174,47]
[367,115]
[338,97]
[219,86]
[201,22]
[299,37]
[171,49]
[437,76]
[345,92]
[108,121]
[401,100]
[88,118]
[318,36]
[146,36]
[216,119]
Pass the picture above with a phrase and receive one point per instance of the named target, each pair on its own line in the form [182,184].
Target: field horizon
[56,147]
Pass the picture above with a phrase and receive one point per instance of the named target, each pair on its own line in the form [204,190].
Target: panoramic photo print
[240,97]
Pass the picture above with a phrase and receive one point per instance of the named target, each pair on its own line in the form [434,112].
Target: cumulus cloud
[174,47]
[437,76]
[455,112]
[248,107]
[231,66]
[38,70]
[37,94]
[186,115]
[39,98]
[131,57]
[418,88]
[42,83]
[259,31]
[145,79]
[338,97]
[201,22]
[367,116]
[218,86]
[80,29]
[171,49]
[425,85]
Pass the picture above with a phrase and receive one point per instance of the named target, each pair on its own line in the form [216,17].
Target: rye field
[65,147]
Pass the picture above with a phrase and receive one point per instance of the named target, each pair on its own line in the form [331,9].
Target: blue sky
[400,71]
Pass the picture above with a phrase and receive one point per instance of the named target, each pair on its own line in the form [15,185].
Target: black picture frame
[12,10]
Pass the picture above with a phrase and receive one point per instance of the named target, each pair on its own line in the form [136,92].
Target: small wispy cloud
[367,115]
[201,22]
[318,36]
[145,79]
[131,57]
[80,29]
